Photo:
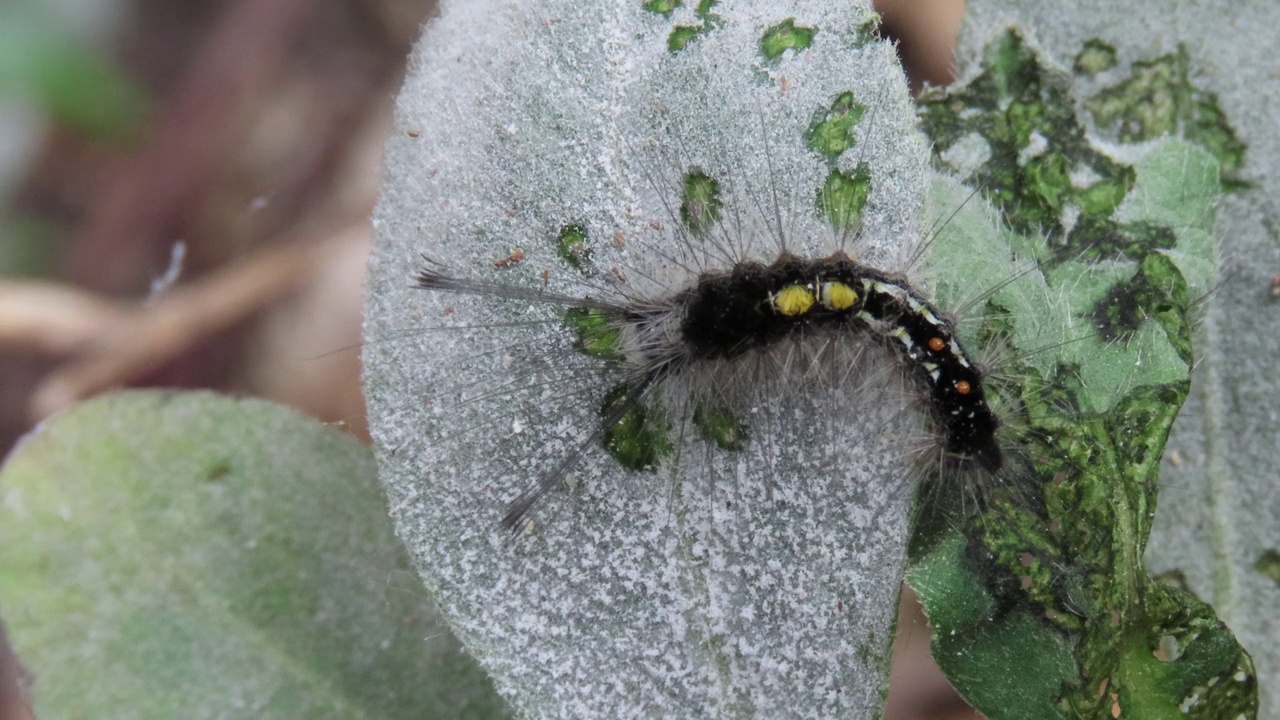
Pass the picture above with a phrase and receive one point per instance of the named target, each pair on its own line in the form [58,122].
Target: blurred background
[185,189]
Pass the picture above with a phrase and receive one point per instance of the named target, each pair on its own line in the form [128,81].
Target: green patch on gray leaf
[831,132]
[785,36]
[190,555]
[844,196]
[596,333]
[1104,346]
[700,203]
[662,7]
[682,35]
[640,438]
[571,246]
[721,427]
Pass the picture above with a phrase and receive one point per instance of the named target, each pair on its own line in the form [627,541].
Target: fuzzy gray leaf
[759,583]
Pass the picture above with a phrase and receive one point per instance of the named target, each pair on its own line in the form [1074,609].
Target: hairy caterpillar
[747,309]
[746,485]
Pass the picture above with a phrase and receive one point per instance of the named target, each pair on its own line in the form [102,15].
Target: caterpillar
[753,306]
[727,495]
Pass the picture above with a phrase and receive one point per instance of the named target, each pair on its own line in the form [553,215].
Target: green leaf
[1074,626]
[191,555]
[1216,519]
[69,82]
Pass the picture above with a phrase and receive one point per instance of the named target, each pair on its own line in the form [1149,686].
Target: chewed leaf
[1064,620]
[1215,532]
